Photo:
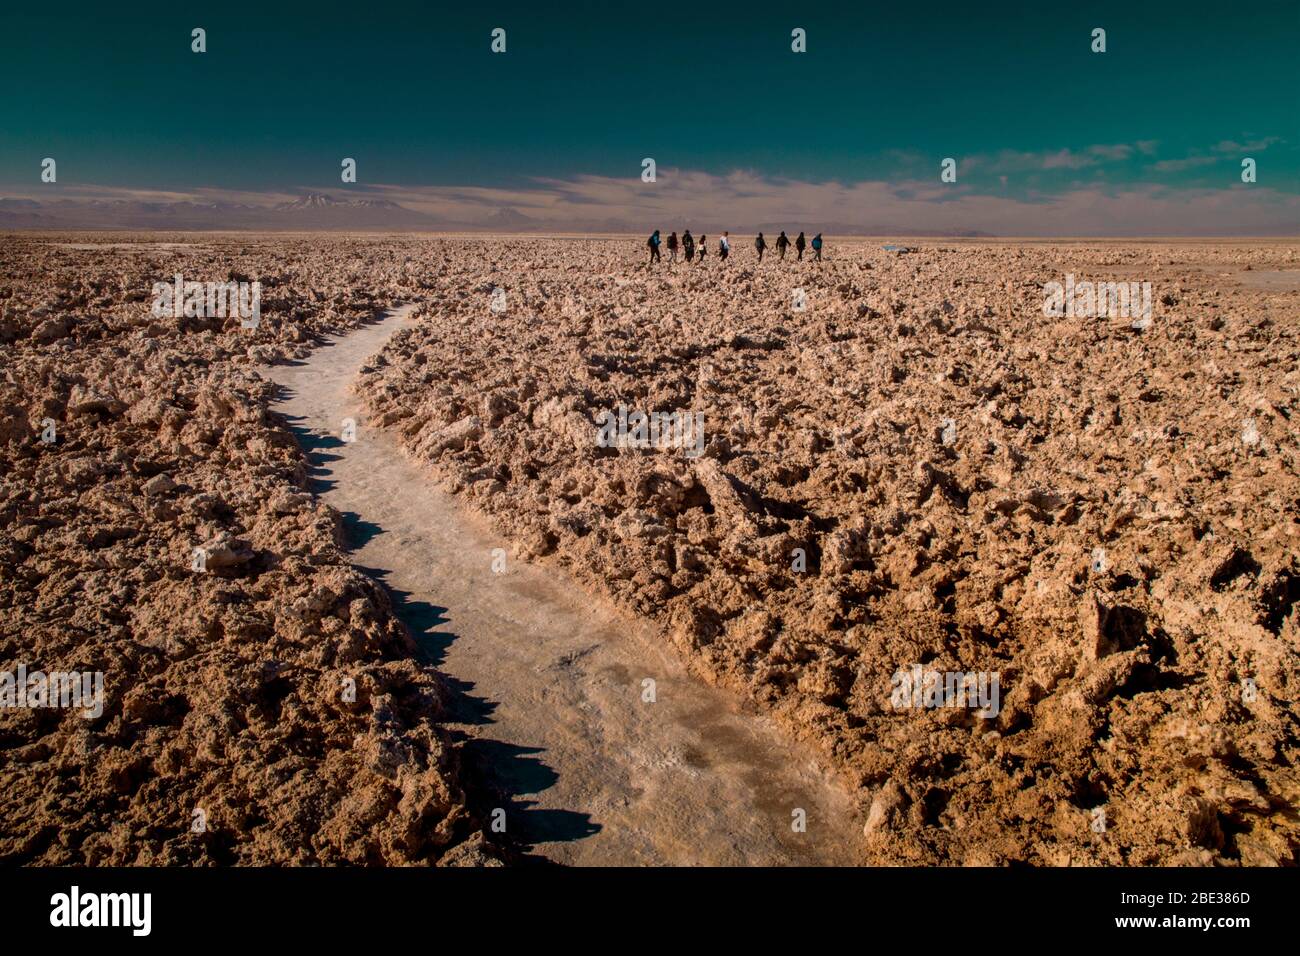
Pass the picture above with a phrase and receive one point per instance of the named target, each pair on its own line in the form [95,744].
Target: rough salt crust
[226,705]
[948,461]
[1069,502]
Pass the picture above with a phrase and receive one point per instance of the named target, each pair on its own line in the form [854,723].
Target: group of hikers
[689,246]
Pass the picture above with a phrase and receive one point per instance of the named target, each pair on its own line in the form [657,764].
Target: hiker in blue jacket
[653,243]
[817,247]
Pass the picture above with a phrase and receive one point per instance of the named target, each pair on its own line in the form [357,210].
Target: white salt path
[549,680]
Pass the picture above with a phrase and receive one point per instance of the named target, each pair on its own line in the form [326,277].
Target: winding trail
[549,681]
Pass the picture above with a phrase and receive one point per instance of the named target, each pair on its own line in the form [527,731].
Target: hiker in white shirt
[724,246]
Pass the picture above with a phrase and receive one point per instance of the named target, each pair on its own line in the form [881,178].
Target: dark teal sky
[412,91]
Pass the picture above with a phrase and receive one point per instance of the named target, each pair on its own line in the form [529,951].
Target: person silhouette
[782,243]
[653,243]
[799,245]
[760,244]
[817,247]
[688,245]
[672,246]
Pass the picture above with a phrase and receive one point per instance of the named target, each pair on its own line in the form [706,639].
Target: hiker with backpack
[782,243]
[688,245]
[817,247]
[672,247]
[760,244]
[653,243]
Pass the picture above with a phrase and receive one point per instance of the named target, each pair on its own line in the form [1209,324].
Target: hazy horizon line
[602,204]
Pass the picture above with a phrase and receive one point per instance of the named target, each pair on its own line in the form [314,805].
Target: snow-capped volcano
[323,201]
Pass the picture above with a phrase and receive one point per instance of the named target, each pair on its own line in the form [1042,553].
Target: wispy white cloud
[1249,146]
[1019,161]
[1198,158]
[742,199]
[1179,165]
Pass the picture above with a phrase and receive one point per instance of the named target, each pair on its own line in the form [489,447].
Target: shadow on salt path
[498,774]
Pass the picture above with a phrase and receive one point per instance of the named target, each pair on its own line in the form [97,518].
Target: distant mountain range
[310,212]
[321,212]
[321,201]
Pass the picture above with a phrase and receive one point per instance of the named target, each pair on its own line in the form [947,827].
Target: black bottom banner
[741,905]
